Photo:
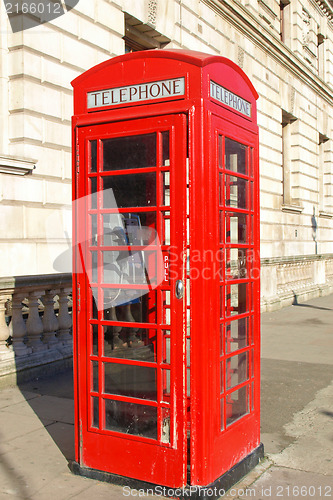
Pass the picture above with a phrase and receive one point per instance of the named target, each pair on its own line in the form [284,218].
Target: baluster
[4,328]
[18,326]
[50,320]
[34,324]
[64,318]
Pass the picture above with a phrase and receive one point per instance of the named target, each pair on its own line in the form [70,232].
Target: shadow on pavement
[54,406]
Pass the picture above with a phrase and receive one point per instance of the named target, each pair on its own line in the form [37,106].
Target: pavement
[37,422]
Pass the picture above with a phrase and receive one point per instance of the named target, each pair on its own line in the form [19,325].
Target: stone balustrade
[35,325]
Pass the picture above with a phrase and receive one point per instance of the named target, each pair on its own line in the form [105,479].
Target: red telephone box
[166,281]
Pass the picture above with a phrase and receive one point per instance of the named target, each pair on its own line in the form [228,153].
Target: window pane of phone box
[236,157]
[130,380]
[124,342]
[135,151]
[237,370]
[236,335]
[135,306]
[134,229]
[237,301]
[131,418]
[237,404]
[131,267]
[134,190]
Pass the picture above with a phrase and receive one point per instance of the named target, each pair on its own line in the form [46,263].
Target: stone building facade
[286,49]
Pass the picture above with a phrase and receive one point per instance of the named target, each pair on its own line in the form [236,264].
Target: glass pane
[166,188]
[236,299]
[166,315]
[236,157]
[236,192]
[130,380]
[221,377]
[129,306]
[165,434]
[135,151]
[94,301]
[94,332]
[237,335]
[95,409]
[165,146]
[94,367]
[220,151]
[237,404]
[166,228]
[131,418]
[93,191]
[235,228]
[93,156]
[94,263]
[93,228]
[221,197]
[236,260]
[222,414]
[135,190]
[130,343]
[166,355]
[237,369]
[166,378]
[137,229]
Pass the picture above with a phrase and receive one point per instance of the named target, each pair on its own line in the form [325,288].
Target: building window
[288,123]
[321,55]
[285,23]
[142,36]
[325,177]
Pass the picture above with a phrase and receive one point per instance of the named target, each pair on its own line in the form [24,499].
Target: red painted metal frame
[212,451]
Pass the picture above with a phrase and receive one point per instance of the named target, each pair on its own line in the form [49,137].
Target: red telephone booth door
[131,310]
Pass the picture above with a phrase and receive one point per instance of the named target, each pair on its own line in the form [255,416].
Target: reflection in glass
[94,331]
[166,228]
[166,355]
[165,434]
[135,151]
[237,404]
[236,299]
[95,409]
[235,192]
[165,146]
[130,229]
[93,156]
[235,228]
[166,385]
[236,263]
[237,369]
[222,414]
[93,191]
[236,156]
[94,375]
[129,305]
[166,188]
[94,267]
[130,380]
[131,418]
[93,225]
[135,190]
[139,344]
[237,334]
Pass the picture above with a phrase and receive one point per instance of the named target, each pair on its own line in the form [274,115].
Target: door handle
[179,289]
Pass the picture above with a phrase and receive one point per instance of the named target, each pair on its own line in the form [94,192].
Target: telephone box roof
[191,57]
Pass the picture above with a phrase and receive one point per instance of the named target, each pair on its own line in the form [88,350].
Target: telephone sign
[166,296]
